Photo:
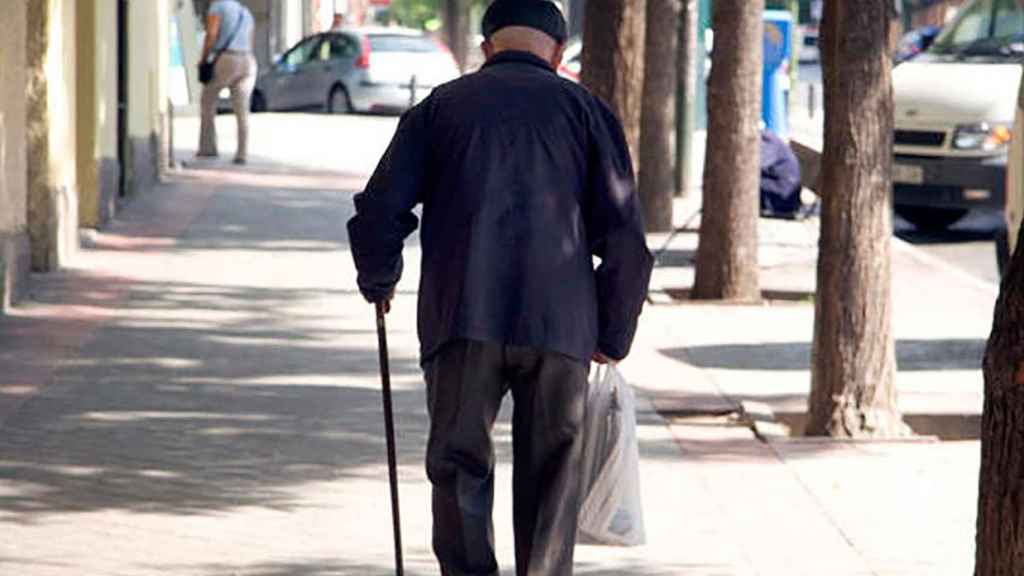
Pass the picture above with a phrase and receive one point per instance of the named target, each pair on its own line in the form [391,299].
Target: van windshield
[984,28]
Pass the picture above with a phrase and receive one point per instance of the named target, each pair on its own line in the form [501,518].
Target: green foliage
[415,13]
[428,14]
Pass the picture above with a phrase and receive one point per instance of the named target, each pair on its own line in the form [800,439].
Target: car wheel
[338,101]
[258,103]
[931,219]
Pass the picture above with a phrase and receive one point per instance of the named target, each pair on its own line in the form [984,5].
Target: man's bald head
[524,39]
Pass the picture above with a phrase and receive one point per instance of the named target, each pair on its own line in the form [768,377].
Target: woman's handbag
[206,71]
[206,67]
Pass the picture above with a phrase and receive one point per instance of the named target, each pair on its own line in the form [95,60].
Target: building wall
[52,166]
[263,33]
[98,165]
[146,151]
[280,24]
[14,245]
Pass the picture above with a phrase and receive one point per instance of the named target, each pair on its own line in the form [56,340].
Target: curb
[768,429]
[927,259]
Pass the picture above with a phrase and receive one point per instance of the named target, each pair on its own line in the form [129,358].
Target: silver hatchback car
[356,70]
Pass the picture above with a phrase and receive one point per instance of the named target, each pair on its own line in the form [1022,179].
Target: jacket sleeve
[616,235]
[384,210]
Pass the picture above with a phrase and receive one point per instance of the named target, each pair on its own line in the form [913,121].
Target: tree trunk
[687,65]
[727,253]
[658,115]
[613,60]
[456,29]
[854,359]
[1000,536]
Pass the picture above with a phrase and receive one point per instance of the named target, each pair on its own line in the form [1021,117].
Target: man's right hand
[600,358]
[386,302]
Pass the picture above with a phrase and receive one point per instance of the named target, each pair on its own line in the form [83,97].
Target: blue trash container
[778,47]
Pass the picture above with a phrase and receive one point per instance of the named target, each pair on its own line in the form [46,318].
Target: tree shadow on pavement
[308,568]
[198,398]
[342,568]
[215,397]
[911,355]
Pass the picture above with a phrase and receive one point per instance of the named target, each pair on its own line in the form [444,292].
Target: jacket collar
[509,56]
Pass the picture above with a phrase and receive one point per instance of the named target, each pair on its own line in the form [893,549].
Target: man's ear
[556,58]
[488,49]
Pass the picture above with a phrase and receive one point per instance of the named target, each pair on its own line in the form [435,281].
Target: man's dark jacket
[523,177]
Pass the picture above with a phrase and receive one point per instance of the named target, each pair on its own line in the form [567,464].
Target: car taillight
[364,58]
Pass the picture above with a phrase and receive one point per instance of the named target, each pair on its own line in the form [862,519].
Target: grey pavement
[199,395]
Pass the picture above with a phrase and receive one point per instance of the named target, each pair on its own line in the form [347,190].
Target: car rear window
[395,43]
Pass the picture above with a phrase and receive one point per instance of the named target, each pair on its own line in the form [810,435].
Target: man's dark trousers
[466,381]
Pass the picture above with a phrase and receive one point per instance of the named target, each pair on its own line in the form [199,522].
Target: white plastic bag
[611,513]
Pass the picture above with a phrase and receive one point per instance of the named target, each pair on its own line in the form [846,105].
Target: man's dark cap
[541,15]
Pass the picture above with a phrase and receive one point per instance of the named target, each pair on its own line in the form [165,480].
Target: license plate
[907,174]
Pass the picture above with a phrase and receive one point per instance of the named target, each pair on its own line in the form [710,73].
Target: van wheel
[931,219]
[338,101]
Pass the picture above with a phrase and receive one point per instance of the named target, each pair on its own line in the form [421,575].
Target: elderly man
[524,178]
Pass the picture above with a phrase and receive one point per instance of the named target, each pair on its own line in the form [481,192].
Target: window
[302,52]
[342,47]
[973,26]
[395,43]
[984,26]
[1009,22]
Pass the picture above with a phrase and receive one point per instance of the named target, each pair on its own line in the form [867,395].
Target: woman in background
[229,42]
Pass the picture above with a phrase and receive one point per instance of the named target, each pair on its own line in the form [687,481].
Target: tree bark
[686,104]
[1000,534]
[456,29]
[658,115]
[727,266]
[854,359]
[613,60]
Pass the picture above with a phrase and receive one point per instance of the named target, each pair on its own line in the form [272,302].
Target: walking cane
[389,426]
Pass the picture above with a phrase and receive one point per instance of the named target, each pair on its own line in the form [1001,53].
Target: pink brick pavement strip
[36,337]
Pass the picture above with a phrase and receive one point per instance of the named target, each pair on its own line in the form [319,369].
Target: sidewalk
[199,396]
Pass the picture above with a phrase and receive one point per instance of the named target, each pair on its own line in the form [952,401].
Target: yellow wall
[62,93]
[12,118]
[14,246]
[52,139]
[148,63]
[97,110]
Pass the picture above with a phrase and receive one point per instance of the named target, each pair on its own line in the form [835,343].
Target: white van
[955,107]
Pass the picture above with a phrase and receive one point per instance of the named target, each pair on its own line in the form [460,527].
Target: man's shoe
[241,161]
